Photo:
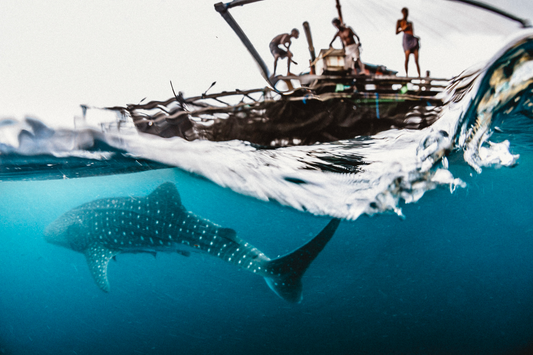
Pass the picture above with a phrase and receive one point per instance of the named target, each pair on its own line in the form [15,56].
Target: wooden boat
[327,104]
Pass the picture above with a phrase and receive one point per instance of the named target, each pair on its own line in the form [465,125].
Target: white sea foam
[343,179]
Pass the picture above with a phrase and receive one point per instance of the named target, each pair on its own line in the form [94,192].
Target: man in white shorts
[351,46]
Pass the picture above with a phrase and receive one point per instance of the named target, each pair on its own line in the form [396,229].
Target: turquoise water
[433,255]
[454,276]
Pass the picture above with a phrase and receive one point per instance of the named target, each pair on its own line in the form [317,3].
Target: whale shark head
[65,231]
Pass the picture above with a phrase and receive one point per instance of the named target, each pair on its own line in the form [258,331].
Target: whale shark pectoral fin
[98,257]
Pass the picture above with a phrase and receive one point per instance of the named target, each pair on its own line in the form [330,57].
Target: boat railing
[423,86]
[207,107]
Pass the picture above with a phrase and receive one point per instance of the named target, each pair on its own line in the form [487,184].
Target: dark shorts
[274,49]
[410,43]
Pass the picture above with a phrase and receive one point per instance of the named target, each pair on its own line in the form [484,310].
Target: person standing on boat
[285,40]
[410,42]
[350,45]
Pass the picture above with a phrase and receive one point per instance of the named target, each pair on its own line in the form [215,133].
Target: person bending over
[284,40]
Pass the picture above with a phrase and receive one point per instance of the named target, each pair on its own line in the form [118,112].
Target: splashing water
[344,179]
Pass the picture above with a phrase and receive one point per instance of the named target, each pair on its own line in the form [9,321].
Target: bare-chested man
[285,40]
[351,47]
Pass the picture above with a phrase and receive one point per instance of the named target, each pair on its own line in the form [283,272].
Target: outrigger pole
[524,22]
[223,10]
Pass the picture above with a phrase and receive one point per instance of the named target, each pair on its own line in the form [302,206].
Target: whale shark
[158,222]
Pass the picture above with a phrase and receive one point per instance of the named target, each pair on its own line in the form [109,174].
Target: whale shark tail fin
[287,271]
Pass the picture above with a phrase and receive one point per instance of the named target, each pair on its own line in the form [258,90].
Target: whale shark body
[159,222]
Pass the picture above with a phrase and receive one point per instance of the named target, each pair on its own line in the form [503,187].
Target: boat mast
[312,53]
[339,10]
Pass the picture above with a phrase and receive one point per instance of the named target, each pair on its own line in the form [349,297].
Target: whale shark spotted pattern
[159,222]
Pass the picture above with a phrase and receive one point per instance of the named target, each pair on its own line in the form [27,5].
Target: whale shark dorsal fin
[166,192]
[229,234]
[98,257]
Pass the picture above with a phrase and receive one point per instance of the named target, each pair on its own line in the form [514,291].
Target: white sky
[58,54]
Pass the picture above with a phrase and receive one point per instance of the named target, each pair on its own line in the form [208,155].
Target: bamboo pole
[339,11]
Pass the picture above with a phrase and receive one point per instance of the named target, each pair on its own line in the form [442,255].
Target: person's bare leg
[406,63]
[361,65]
[416,62]
[275,65]
[289,60]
